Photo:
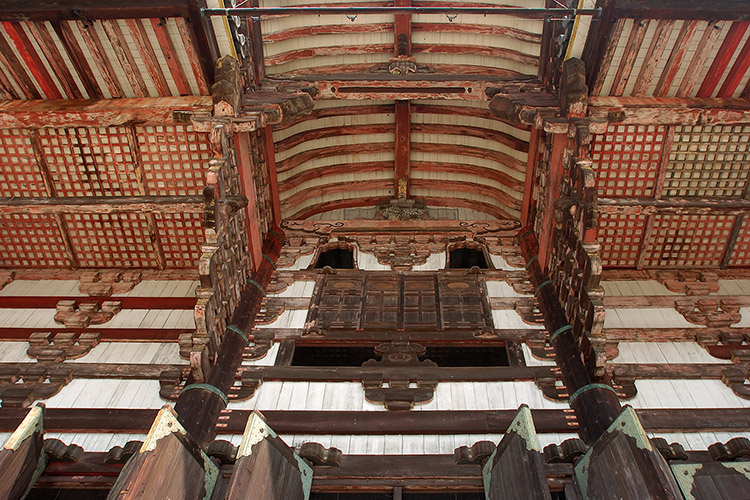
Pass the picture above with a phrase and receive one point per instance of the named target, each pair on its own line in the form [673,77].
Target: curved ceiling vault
[343,155]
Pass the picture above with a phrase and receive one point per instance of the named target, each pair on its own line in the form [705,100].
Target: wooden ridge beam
[102,205]
[97,112]
[138,420]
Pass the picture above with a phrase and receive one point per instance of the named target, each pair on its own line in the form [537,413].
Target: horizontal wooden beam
[682,9]
[123,420]
[508,227]
[102,205]
[693,206]
[669,110]
[51,10]
[50,301]
[98,113]
[107,334]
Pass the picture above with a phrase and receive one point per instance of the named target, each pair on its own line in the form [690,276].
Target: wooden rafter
[31,59]
[403,149]
[669,110]
[723,57]
[702,52]
[679,50]
[80,62]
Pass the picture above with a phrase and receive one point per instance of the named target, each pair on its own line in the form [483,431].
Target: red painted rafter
[726,51]
[403,149]
[735,75]
[402,29]
[29,55]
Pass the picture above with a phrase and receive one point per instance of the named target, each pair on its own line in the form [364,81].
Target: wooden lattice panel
[86,161]
[709,160]
[620,236]
[181,236]
[111,240]
[30,240]
[741,251]
[688,240]
[20,175]
[626,160]
[174,159]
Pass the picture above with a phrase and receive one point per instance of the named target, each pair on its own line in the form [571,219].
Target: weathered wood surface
[516,468]
[649,206]
[22,457]
[102,205]
[169,464]
[622,464]
[266,468]
[97,113]
[714,481]
[669,110]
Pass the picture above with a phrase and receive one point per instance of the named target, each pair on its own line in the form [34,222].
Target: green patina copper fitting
[531,261]
[559,331]
[257,285]
[542,285]
[239,332]
[273,265]
[208,387]
[589,387]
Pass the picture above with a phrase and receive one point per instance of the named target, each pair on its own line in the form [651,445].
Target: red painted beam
[340,169]
[726,51]
[327,132]
[402,29]
[560,142]
[327,152]
[50,302]
[528,186]
[245,167]
[273,179]
[107,334]
[403,149]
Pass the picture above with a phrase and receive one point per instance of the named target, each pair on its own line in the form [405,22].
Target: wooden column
[403,148]
[557,159]
[596,405]
[199,405]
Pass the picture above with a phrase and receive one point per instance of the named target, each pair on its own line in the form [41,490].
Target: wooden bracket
[73,314]
[108,283]
[223,451]
[319,455]
[398,393]
[714,313]
[19,388]
[689,282]
[48,347]
[566,452]
[738,447]
[171,383]
[121,454]
[476,454]
[57,451]
[673,451]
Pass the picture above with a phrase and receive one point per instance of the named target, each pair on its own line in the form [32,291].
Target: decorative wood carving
[553,389]
[738,447]
[108,283]
[541,350]
[529,313]
[121,454]
[401,252]
[19,387]
[566,452]
[673,451]
[398,393]
[318,455]
[261,344]
[58,347]
[294,248]
[736,379]
[714,313]
[270,310]
[446,227]
[57,451]
[476,454]
[689,282]
[73,314]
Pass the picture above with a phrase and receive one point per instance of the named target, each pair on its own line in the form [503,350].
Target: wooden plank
[91,39]
[80,62]
[22,458]
[724,55]
[633,46]
[97,112]
[611,46]
[54,58]
[146,51]
[702,51]
[679,49]
[653,56]
[188,41]
[125,57]
[170,54]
